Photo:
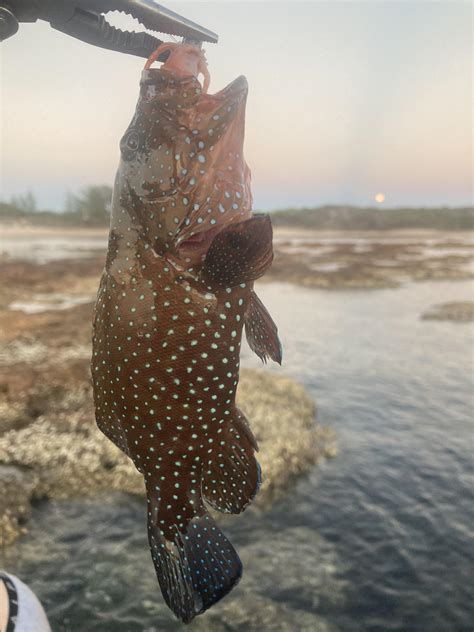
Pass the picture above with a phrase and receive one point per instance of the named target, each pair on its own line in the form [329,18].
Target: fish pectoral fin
[261,331]
[195,563]
[240,253]
[232,476]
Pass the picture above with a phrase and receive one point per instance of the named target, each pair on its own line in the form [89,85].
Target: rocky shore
[333,260]
[50,447]
[49,444]
[61,454]
[369,261]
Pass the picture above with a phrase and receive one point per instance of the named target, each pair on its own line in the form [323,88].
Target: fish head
[182,176]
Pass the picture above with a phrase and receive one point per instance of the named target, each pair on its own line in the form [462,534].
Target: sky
[347,100]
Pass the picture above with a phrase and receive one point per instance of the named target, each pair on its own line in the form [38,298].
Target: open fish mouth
[197,245]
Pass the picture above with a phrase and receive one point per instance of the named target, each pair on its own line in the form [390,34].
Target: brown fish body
[168,325]
[166,367]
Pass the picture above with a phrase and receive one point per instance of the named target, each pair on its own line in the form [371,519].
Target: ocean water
[45,248]
[379,538]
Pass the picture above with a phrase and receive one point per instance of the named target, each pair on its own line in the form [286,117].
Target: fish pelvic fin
[261,331]
[240,253]
[232,477]
[196,565]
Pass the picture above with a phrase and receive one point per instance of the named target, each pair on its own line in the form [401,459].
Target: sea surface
[45,248]
[377,539]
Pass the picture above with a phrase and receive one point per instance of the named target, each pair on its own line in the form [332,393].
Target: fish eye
[131,141]
[129,144]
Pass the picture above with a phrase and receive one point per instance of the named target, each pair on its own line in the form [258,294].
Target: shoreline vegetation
[91,208]
[349,218]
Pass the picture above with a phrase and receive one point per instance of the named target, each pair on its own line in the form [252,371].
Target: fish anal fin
[195,563]
[231,477]
[240,253]
[261,331]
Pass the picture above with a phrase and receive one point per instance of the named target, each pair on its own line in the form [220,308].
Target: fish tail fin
[195,563]
[231,477]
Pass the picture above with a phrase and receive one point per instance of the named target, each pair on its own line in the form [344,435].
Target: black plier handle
[85,20]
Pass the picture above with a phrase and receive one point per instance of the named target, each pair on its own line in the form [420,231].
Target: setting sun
[379,198]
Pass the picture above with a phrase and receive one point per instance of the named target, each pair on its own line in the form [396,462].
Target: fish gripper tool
[86,21]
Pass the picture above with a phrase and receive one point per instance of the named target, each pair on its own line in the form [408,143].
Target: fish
[175,296]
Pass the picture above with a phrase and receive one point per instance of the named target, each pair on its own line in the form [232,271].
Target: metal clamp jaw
[85,20]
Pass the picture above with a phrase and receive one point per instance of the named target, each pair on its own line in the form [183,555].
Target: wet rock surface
[371,261]
[57,452]
[319,259]
[17,486]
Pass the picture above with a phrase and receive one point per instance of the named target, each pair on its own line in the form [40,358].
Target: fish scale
[168,326]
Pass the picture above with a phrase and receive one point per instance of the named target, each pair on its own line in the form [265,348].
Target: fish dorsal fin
[241,253]
[261,331]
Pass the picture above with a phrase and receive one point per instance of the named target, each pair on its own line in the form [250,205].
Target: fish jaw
[193,245]
[194,249]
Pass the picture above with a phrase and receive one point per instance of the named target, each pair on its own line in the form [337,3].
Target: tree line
[90,207]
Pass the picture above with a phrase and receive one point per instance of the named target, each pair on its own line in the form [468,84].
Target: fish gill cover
[175,295]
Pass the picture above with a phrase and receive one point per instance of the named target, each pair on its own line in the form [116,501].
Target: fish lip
[186,247]
[205,239]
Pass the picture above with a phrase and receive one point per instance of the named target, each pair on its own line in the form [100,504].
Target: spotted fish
[177,291]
